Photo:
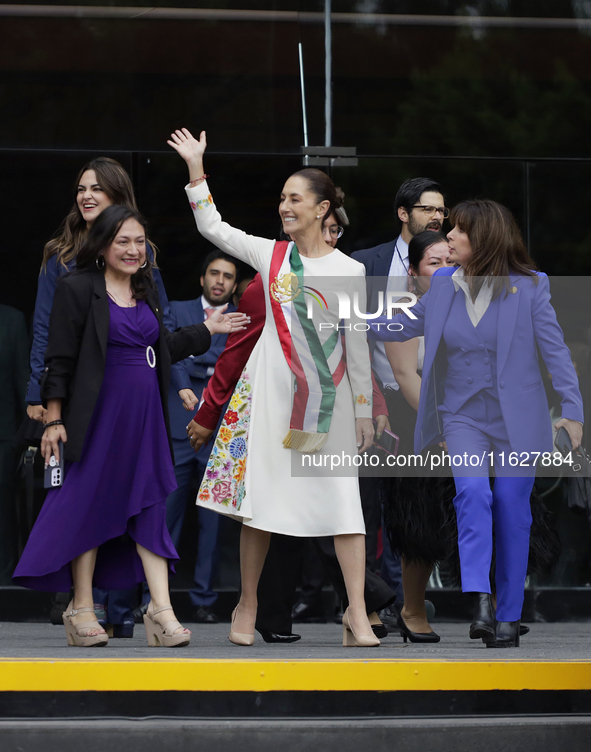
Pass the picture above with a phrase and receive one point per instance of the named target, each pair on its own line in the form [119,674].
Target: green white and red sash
[318,367]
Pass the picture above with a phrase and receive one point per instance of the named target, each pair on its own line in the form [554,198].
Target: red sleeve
[229,365]
[379,401]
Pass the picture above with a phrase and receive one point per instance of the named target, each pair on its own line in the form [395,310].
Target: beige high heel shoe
[163,635]
[239,638]
[350,639]
[73,631]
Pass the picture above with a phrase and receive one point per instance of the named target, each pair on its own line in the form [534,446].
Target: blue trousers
[477,431]
[118,603]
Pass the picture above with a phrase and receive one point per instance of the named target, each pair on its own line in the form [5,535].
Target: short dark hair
[412,190]
[214,256]
[100,236]
[420,244]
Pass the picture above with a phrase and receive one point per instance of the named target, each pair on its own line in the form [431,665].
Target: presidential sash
[318,367]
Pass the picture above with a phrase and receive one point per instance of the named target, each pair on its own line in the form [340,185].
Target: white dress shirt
[475,308]
[397,280]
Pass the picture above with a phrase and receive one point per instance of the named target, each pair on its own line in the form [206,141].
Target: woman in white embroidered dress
[251,474]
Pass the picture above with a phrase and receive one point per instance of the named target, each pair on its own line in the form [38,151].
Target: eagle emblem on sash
[285,287]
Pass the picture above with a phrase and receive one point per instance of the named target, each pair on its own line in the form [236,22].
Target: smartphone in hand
[53,476]
[388,441]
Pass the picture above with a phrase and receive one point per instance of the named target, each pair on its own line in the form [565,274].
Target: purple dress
[116,495]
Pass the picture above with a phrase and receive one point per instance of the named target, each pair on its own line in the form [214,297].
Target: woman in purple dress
[105,387]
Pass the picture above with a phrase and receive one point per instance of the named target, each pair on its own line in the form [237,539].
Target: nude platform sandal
[163,635]
[75,639]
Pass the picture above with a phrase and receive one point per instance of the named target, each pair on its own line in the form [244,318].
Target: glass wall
[491,98]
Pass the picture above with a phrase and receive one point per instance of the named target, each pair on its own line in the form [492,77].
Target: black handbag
[578,472]
[30,432]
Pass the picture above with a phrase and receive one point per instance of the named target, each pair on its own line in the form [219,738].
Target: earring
[100,263]
[318,216]
[143,266]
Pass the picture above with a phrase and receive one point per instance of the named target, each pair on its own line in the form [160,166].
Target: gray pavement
[546,642]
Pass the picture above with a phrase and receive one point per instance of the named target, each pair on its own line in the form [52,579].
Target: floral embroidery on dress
[361,400]
[202,203]
[223,482]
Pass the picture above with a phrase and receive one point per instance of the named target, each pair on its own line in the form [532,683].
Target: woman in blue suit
[482,393]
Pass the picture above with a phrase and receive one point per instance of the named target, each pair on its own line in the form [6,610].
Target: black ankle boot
[483,623]
[507,635]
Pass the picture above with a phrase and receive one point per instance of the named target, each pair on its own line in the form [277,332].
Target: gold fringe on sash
[304,441]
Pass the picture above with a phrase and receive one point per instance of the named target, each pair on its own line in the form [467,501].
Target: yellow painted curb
[42,675]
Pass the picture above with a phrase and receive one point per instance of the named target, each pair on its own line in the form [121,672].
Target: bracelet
[193,183]
[58,422]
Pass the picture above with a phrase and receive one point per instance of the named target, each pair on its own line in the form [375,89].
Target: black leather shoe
[204,615]
[483,623]
[282,639]
[506,635]
[388,617]
[523,629]
[380,630]
[59,603]
[124,630]
[138,613]
[406,633]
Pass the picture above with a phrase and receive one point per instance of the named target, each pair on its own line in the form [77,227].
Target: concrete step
[476,734]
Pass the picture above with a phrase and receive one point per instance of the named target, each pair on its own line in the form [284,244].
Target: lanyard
[404,266]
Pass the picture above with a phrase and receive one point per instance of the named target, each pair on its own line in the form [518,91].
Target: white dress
[251,475]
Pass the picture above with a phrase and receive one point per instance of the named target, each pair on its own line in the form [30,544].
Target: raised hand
[190,149]
[224,323]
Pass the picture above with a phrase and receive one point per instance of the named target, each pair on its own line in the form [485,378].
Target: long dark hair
[100,236]
[115,182]
[498,249]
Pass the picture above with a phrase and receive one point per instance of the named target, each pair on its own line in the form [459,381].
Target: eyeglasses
[430,210]
[335,231]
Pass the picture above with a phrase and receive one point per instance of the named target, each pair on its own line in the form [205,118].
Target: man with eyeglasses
[419,205]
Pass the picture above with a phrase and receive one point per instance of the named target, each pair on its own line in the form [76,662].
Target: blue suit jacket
[190,373]
[526,319]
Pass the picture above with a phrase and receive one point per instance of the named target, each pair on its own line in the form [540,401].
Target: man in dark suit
[188,380]
[419,206]
[14,374]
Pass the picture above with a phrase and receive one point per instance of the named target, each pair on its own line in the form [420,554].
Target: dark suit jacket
[377,263]
[190,373]
[14,370]
[76,352]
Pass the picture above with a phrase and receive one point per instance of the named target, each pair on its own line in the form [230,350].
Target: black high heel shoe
[406,633]
[507,635]
[483,622]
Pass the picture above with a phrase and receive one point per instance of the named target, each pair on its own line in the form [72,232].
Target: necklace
[126,303]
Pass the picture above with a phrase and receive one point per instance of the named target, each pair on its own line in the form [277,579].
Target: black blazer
[77,347]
